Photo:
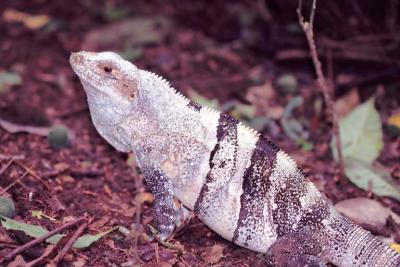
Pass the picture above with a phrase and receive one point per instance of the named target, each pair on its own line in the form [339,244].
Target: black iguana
[238,183]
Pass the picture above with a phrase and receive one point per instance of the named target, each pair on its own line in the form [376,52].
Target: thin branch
[42,238]
[13,183]
[48,251]
[263,10]
[69,244]
[308,30]
[6,166]
[8,157]
[33,174]
[312,15]
[16,128]
[138,185]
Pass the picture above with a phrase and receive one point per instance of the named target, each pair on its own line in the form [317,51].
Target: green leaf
[36,231]
[257,123]
[112,13]
[361,133]
[371,178]
[304,144]
[8,79]
[238,110]
[86,240]
[129,33]
[287,83]
[291,126]
[7,207]
[131,53]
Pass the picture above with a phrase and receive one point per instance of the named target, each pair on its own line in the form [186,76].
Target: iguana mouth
[78,61]
[77,58]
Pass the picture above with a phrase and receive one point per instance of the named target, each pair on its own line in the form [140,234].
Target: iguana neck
[158,99]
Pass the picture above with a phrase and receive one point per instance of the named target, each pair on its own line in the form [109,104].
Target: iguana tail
[353,246]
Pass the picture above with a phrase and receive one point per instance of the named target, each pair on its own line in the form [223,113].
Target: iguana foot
[154,234]
[296,249]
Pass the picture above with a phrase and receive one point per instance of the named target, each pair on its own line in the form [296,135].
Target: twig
[8,245]
[48,251]
[16,128]
[138,185]
[339,55]
[54,262]
[6,166]
[263,10]
[33,173]
[13,183]
[74,173]
[40,239]
[3,156]
[308,30]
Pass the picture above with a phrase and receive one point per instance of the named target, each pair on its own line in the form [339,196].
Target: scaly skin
[235,181]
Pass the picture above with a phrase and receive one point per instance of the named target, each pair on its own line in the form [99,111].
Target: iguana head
[106,73]
[111,85]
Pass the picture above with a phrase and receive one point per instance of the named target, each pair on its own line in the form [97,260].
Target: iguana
[234,180]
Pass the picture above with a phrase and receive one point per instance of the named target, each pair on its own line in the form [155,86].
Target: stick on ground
[13,183]
[49,250]
[33,174]
[42,238]
[69,244]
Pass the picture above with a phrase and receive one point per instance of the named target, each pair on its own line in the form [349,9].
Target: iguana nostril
[76,58]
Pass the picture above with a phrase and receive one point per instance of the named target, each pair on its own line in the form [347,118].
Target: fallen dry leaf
[79,262]
[108,191]
[32,22]
[262,98]
[17,262]
[96,225]
[4,237]
[128,210]
[213,254]
[395,247]
[144,197]
[64,179]
[61,166]
[347,103]
[394,120]
[366,211]
[128,33]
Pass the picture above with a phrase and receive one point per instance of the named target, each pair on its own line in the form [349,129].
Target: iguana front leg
[164,210]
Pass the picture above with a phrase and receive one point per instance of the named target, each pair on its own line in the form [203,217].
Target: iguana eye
[107,69]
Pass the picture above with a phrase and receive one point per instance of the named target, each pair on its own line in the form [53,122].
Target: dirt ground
[220,50]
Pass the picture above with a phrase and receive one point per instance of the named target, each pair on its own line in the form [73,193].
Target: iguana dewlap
[235,181]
